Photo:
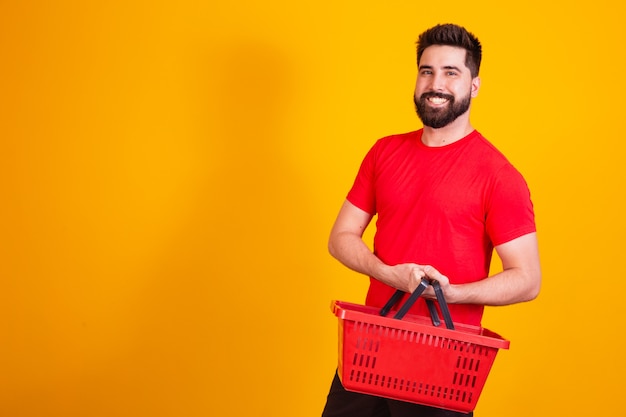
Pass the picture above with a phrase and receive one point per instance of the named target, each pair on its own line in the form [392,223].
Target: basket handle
[424,283]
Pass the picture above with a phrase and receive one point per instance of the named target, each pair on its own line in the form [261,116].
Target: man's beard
[440,117]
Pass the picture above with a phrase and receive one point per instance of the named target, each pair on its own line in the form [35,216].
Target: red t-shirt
[442,206]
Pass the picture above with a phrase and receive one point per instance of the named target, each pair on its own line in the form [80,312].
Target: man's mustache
[426,96]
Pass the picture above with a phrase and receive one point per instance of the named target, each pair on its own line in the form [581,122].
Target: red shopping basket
[413,360]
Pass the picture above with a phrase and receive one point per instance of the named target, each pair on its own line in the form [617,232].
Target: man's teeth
[437,100]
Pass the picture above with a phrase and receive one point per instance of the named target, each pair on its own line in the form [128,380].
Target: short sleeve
[363,191]
[510,212]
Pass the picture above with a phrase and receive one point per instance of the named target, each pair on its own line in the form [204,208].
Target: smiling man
[442,68]
[445,199]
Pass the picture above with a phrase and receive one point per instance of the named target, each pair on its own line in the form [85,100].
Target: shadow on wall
[212,315]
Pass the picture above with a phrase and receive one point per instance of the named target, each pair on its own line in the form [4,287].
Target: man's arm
[347,246]
[519,281]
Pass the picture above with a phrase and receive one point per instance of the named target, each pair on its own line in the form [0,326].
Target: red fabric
[443,206]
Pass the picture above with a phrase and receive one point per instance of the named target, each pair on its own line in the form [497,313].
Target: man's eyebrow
[453,67]
[445,67]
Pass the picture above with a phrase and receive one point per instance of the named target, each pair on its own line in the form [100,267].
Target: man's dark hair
[452,35]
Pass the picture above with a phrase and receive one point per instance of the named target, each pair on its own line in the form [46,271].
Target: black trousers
[342,403]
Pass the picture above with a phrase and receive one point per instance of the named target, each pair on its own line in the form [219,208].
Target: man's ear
[475,86]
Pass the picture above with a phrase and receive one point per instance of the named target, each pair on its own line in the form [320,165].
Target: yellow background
[170,170]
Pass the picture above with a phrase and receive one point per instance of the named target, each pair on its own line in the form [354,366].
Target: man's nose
[437,82]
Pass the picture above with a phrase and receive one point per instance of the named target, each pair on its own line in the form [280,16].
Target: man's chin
[433,122]
[435,126]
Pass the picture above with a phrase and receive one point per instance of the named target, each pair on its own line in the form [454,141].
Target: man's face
[444,87]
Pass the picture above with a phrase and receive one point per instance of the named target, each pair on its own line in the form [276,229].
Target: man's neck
[448,134]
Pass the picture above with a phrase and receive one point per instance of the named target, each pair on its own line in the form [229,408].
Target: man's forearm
[505,288]
[352,252]
[347,246]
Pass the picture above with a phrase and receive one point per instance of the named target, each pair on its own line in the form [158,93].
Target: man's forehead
[443,55]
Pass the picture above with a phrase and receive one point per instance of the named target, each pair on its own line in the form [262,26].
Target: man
[445,198]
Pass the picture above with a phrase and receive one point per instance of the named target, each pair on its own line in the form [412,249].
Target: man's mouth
[437,100]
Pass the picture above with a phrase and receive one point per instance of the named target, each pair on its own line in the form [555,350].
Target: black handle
[424,283]
[397,296]
[412,299]
[434,316]
[443,305]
